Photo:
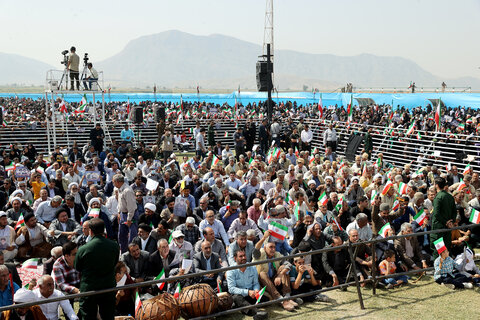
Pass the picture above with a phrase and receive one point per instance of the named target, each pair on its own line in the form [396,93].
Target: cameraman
[73,68]
[93,77]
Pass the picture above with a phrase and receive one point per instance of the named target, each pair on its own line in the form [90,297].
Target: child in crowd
[387,267]
[444,271]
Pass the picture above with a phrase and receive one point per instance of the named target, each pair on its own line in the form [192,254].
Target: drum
[197,300]
[124,318]
[162,307]
[225,301]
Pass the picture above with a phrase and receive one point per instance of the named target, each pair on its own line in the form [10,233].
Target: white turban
[151,206]
[73,184]
[23,296]
[92,201]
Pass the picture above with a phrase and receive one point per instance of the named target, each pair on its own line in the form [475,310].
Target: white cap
[23,296]
[151,206]
[177,234]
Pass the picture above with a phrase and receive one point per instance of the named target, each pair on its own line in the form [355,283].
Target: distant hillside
[174,59]
[16,69]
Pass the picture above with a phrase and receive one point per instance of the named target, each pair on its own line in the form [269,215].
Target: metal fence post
[374,268]
[357,284]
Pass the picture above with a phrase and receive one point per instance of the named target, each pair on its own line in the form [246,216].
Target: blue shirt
[240,282]
[218,229]
[234,247]
[127,135]
[227,222]
[292,158]
[6,298]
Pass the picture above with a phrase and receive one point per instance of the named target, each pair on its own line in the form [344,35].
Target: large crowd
[97,216]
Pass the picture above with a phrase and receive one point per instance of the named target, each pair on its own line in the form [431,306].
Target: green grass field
[422,300]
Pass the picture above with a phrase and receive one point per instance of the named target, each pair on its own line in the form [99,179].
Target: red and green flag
[323,199]
[277,230]
[440,245]
[420,217]
[161,276]
[475,216]
[402,188]
[467,169]
[20,222]
[215,161]
[438,115]
[260,294]
[177,291]
[411,129]
[384,231]
[138,303]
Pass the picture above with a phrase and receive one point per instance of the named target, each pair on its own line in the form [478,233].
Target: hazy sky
[440,35]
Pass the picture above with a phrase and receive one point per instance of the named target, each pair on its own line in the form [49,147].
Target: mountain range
[174,59]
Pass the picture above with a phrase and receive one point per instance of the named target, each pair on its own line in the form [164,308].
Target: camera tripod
[65,72]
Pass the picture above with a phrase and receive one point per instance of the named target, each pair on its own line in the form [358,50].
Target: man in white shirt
[233,182]
[46,290]
[306,136]
[361,225]
[7,238]
[183,249]
[93,77]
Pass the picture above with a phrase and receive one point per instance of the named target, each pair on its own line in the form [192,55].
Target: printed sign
[92,176]
[22,172]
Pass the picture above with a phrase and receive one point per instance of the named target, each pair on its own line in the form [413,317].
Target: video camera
[65,58]
[85,58]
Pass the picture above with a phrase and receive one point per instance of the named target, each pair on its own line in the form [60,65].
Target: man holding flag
[243,284]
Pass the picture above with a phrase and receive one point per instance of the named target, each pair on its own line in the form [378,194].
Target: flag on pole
[396,205]
[419,136]
[296,152]
[438,115]
[402,188]
[339,204]
[461,126]
[161,276]
[461,185]
[138,303]
[411,129]
[420,217]
[219,288]
[320,106]
[251,163]
[384,231]
[288,200]
[215,161]
[338,225]
[83,105]
[10,167]
[177,291]
[260,294]
[440,245]
[20,222]
[467,169]
[277,230]
[226,134]
[94,213]
[475,216]
[372,198]
[387,187]
[323,199]
[170,238]
[350,109]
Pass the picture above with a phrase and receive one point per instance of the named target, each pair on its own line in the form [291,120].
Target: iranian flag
[461,126]
[438,115]
[387,187]
[277,230]
[419,136]
[320,107]
[402,188]
[350,109]
[62,107]
[372,198]
[250,163]
[467,169]
[440,245]
[339,204]
[138,303]
[384,231]
[461,185]
[396,205]
[170,238]
[420,217]
[411,129]
[260,294]
[315,151]
[10,167]
[161,276]
[4,123]
[288,200]
[215,161]
[475,216]
[20,222]
[277,152]
[177,291]
[94,213]
[226,134]
[338,224]
[296,211]
[30,263]
[83,105]
[296,152]
[219,288]
[323,199]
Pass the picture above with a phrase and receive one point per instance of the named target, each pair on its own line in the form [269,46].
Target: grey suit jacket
[137,270]
[58,239]
[200,263]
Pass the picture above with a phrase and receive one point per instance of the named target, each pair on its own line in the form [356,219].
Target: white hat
[72,184]
[23,296]
[3,214]
[92,201]
[329,177]
[151,206]
[311,181]
[16,198]
[177,234]
[14,193]
[355,178]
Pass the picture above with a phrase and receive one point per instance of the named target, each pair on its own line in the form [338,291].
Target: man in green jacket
[96,262]
[444,214]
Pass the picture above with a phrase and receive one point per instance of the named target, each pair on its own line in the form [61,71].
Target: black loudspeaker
[354,142]
[159,114]
[137,115]
[264,76]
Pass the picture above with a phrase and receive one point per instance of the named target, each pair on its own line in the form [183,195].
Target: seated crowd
[221,209]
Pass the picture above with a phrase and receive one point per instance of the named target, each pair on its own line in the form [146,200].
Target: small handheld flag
[277,230]
[384,231]
[259,295]
[20,222]
[475,216]
[440,245]
[138,303]
[161,276]
[323,199]
[420,217]
[177,291]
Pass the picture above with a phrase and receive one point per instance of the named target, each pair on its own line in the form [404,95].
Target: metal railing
[350,247]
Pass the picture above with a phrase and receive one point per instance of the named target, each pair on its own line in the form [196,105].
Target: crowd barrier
[397,148]
[353,271]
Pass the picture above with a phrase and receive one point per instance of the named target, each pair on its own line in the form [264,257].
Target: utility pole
[268,31]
